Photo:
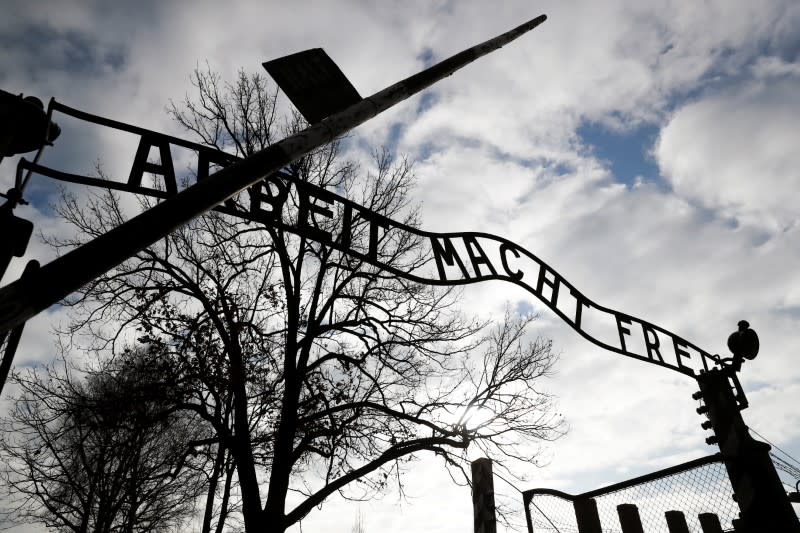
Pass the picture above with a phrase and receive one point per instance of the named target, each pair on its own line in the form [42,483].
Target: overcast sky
[647,150]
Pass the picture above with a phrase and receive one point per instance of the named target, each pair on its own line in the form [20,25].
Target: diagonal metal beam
[25,298]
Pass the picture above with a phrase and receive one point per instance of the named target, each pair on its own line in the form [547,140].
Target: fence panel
[696,487]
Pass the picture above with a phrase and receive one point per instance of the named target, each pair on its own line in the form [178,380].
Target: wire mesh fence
[700,486]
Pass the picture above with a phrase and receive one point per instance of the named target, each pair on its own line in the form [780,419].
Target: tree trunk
[87,510]
[274,510]
[245,464]
[132,493]
[226,494]
[212,488]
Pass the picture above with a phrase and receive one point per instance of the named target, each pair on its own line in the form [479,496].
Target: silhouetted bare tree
[100,453]
[315,372]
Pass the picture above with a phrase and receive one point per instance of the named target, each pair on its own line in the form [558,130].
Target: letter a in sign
[140,164]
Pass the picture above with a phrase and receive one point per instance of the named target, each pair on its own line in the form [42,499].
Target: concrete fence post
[587,516]
[710,523]
[629,518]
[676,522]
[483,509]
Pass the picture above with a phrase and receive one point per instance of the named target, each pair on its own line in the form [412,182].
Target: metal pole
[14,335]
[757,488]
[23,299]
[526,501]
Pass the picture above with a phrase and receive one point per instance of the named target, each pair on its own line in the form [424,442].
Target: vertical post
[527,497]
[757,488]
[483,497]
[676,522]
[710,523]
[14,335]
[629,518]
[587,516]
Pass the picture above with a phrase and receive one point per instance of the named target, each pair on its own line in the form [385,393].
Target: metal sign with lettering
[448,259]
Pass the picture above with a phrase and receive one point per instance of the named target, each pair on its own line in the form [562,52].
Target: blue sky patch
[427,57]
[625,154]
[523,308]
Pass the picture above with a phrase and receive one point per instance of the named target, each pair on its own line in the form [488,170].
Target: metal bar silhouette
[676,522]
[586,515]
[483,506]
[25,298]
[710,523]
[14,335]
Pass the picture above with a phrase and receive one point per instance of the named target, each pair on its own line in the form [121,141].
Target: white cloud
[736,150]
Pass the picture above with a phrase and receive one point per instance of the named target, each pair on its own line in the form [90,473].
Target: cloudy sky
[647,150]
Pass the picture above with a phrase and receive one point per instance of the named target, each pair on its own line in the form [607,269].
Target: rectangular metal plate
[313,83]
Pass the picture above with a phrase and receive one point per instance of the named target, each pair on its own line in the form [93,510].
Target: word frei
[286,202]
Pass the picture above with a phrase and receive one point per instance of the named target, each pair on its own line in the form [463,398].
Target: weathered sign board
[449,258]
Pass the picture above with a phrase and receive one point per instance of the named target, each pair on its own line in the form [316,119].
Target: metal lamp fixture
[24,124]
[743,344]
